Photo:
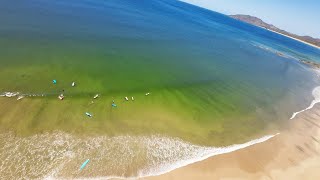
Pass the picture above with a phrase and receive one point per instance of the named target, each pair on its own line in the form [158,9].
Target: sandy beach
[293,154]
[150,88]
[293,38]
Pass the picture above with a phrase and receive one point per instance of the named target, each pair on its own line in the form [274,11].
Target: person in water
[113,104]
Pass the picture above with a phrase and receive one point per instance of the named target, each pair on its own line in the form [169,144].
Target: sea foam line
[9,94]
[316,95]
[14,94]
[190,154]
[212,151]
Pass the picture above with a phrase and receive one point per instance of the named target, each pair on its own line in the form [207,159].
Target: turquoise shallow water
[212,80]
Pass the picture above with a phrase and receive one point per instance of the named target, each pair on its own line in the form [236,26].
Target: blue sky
[301,17]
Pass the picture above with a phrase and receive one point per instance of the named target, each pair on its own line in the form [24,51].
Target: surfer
[88,114]
[61,97]
[113,104]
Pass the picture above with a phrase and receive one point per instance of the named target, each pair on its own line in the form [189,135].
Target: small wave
[272,50]
[9,94]
[316,95]
[14,94]
[285,53]
[58,155]
[205,153]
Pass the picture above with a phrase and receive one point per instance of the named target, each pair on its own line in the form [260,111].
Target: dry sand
[292,38]
[293,154]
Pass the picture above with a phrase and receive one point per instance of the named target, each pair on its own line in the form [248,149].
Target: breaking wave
[58,155]
[9,94]
[316,95]
[14,94]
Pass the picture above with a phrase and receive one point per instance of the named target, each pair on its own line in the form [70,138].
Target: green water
[213,81]
[208,83]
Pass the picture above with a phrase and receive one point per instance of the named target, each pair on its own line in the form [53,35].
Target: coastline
[293,154]
[304,42]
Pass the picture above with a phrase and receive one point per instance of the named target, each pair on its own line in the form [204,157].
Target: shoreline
[304,42]
[294,154]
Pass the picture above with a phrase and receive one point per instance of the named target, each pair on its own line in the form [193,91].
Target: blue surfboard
[84,164]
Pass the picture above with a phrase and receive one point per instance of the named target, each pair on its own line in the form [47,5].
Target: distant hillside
[258,22]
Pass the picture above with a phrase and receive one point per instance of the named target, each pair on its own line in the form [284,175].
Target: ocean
[188,83]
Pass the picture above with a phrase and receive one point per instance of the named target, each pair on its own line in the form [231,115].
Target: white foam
[316,95]
[205,153]
[9,94]
[13,94]
[162,154]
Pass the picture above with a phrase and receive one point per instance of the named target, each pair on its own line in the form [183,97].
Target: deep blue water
[213,81]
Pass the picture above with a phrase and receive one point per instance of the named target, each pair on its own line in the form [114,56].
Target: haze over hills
[258,22]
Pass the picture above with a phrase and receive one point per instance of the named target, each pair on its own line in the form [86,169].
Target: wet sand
[293,154]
